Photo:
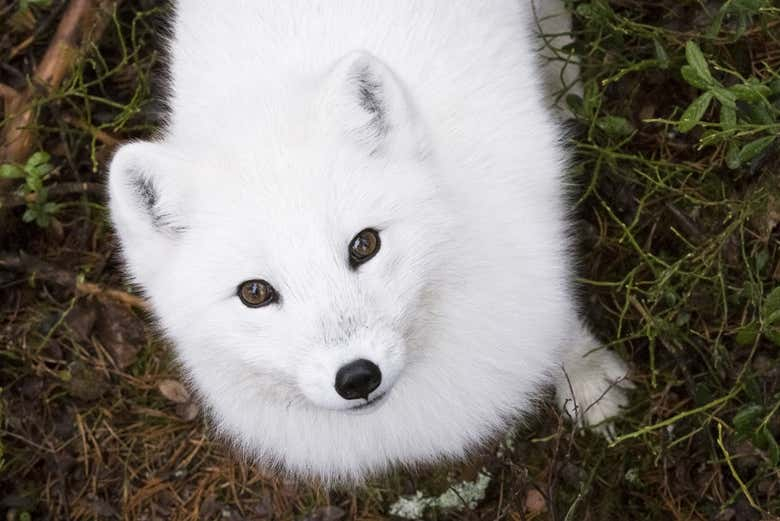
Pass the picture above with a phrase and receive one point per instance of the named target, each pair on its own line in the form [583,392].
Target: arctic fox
[354,230]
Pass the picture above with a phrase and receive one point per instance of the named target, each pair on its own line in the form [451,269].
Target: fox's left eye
[257,293]
[363,247]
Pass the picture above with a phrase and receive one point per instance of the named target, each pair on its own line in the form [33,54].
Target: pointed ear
[144,204]
[366,99]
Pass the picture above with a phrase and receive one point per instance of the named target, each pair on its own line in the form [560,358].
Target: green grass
[677,192]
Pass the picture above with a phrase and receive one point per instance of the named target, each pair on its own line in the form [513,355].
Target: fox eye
[257,293]
[363,247]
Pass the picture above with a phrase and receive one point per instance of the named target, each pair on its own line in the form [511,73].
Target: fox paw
[592,390]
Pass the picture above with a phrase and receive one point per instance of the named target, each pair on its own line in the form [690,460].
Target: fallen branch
[8,93]
[82,23]
[10,97]
[58,190]
[39,269]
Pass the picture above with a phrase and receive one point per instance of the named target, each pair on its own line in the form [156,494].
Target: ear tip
[361,61]
[132,158]
[121,157]
[132,163]
[129,149]
[135,180]
[375,107]
[119,166]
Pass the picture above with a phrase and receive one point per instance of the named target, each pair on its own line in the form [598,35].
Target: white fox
[354,229]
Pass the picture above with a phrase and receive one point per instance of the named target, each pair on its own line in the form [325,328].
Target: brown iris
[363,247]
[256,293]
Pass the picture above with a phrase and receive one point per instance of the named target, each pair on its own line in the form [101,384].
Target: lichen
[466,494]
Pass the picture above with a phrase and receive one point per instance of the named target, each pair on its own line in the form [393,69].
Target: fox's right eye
[257,293]
[363,247]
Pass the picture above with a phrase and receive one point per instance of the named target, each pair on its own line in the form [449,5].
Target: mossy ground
[677,196]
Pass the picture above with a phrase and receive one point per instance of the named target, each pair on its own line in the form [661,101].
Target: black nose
[357,379]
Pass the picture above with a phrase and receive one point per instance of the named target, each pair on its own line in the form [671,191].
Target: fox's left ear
[145,201]
[370,105]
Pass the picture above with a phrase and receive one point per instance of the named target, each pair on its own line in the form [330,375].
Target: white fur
[270,165]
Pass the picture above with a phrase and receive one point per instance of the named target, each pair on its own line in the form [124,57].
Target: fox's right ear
[368,103]
[144,203]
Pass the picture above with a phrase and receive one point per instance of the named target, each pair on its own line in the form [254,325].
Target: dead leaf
[174,391]
[85,382]
[534,502]
[187,411]
[81,320]
[120,331]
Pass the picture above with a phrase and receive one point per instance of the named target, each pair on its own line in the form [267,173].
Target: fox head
[300,269]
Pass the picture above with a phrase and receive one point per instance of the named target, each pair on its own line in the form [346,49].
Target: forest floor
[677,196]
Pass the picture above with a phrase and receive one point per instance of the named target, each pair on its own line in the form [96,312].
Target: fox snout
[356,370]
[358,379]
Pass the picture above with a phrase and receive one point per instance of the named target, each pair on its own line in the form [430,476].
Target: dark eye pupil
[256,293]
[363,246]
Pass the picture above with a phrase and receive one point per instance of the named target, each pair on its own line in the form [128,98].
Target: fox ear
[371,106]
[144,203]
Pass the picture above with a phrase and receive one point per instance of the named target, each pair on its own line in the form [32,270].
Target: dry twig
[8,93]
[23,263]
[101,135]
[58,190]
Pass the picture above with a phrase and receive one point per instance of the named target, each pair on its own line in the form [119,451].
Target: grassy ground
[678,198]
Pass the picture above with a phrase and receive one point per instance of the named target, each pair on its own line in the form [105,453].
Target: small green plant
[742,11]
[24,5]
[752,421]
[768,324]
[749,121]
[34,173]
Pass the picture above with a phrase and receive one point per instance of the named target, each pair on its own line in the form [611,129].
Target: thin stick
[57,190]
[101,135]
[8,93]
[23,263]
[675,418]
[733,470]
